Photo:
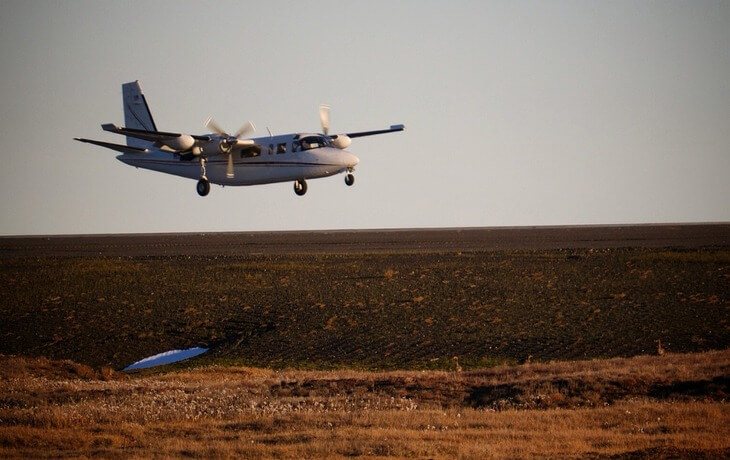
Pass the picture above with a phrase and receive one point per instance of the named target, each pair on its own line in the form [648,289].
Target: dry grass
[681,428]
[674,405]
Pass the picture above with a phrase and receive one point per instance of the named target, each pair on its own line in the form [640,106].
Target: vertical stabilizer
[136,113]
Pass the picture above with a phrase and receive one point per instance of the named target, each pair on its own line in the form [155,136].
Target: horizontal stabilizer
[117,147]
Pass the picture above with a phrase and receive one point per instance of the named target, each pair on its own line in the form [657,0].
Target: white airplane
[225,159]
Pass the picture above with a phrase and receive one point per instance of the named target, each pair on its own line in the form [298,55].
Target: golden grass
[467,433]
[564,409]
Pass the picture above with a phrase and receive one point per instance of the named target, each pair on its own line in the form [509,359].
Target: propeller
[229,166]
[341,141]
[324,117]
[228,141]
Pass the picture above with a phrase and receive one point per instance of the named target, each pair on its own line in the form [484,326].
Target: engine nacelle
[181,143]
[210,148]
[341,141]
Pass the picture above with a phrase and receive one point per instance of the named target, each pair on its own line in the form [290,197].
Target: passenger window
[251,152]
[281,148]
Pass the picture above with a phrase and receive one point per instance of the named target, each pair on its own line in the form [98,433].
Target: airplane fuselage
[280,160]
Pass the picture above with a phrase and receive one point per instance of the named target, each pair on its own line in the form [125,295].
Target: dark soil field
[413,305]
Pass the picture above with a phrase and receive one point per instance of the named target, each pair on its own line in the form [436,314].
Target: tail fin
[136,113]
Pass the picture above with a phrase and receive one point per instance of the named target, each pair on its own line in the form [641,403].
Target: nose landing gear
[300,187]
[349,179]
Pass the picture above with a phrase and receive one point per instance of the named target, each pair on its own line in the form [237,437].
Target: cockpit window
[314,142]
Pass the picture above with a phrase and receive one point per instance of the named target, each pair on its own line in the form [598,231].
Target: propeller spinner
[227,141]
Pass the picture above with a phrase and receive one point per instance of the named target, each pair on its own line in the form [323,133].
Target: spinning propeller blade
[210,123]
[245,129]
[324,117]
[229,167]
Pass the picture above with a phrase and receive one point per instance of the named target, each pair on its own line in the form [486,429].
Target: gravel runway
[370,241]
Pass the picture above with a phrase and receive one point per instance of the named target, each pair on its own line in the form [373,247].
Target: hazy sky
[517,112]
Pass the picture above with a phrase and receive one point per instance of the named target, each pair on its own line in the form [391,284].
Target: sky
[517,113]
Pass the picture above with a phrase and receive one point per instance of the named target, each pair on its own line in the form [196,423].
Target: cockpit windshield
[314,142]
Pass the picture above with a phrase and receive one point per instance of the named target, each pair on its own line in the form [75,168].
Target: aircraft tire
[300,187]
[203,187]
[349,180]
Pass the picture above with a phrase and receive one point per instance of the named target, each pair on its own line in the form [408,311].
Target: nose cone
[349,160]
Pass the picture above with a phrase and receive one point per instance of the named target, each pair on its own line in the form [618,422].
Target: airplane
[230,159]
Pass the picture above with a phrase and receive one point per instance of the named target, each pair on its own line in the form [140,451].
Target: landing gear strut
[300,187]
[349,179]
[203,186]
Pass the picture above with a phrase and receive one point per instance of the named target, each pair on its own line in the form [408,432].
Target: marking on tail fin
[139,120]
[137,113]
[147,107]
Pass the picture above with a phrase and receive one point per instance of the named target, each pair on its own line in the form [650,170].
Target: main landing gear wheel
[300,187]
[203,187]
[349,179]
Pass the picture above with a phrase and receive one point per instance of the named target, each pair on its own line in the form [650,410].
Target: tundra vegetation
[649,406]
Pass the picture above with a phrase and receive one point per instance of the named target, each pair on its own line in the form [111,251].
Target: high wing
[153,136]
[221,143]
[392,129]
[109,145]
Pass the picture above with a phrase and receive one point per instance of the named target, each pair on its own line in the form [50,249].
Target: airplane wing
[392,129]
[152,136]
[109,145]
